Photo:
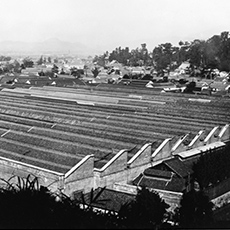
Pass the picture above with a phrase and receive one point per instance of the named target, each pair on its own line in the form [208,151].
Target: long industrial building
[83,137]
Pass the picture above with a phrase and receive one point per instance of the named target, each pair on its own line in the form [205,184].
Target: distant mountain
[51,46]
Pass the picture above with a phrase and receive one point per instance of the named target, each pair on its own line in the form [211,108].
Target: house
[183,67]
[137,70]
[169,179]
[170,175]
[105,199]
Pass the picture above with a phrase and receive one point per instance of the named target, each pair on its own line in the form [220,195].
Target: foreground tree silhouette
[148,210]
[195,210]
[26,205]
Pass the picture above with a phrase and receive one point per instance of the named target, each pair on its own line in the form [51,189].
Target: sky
[108,24]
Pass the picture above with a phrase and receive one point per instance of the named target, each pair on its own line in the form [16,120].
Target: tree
[163,56]
[5,58]
[17,67]
[27,205]
[224,51]
[40,61]
[75,72]
[195,210]
[95,71]
[182,52]
[55,69]
[49,59]
[212,167]
[212,50]
[27,62]
[148,210]
[197,53]
[190,87]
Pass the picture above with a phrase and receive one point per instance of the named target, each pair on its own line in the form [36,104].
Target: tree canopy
[212,167]
[148,210]
[212,53]
[195,210]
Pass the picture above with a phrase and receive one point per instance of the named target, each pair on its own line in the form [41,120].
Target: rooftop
[55,127]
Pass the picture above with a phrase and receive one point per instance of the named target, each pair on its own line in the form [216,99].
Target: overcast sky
[113,23]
